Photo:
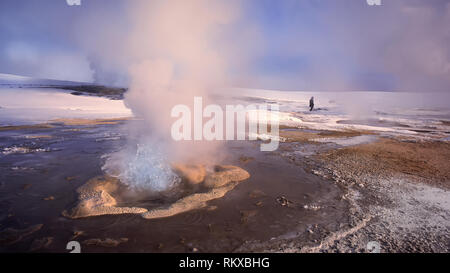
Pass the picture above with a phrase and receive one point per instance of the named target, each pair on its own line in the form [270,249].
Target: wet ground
[41,168]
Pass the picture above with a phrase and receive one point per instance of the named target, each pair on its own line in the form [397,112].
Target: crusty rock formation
[224,174]
[191,202]
[95,196]
[221,181]
[95,199]
[193,174]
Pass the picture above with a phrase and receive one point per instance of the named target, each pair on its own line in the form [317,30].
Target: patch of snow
[347,141]
[22,150]
[25,106]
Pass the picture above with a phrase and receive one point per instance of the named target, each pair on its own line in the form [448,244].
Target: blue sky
[294,44]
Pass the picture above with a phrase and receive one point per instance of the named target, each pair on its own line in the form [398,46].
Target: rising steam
[176,55]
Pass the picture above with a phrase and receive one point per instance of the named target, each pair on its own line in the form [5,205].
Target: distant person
[311,104]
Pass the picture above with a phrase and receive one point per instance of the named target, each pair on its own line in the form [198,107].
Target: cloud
[297,45]
[25,59]
[349,45]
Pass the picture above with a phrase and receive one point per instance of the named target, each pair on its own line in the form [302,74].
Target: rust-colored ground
[427,160]
[304,137]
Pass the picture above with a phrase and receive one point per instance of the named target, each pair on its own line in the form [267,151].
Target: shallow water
[75,156]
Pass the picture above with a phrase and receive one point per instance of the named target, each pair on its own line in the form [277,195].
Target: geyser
[176,53]
[97,196]
[144,168]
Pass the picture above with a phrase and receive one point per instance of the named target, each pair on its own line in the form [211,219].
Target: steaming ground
[339,180]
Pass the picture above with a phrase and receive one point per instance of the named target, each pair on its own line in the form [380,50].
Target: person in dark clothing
[311,104]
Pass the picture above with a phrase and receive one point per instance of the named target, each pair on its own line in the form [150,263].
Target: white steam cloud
[175,56]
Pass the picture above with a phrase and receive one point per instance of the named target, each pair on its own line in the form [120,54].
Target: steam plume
[175,57]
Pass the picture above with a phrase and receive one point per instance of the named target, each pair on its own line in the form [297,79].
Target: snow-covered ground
[38,105]
[424,114]
[12,81]
[387,112]
[22,101]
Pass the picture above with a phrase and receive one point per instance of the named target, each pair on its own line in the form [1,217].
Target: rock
[11,236]
[191,202]
[76,234]
[223,180]
[94,199]
[224,174]
[193,174]
[283,201]
[108,242]
[259,204]
[39,244]
[95,196]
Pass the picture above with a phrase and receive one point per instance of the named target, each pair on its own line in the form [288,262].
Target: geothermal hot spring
[141,180]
